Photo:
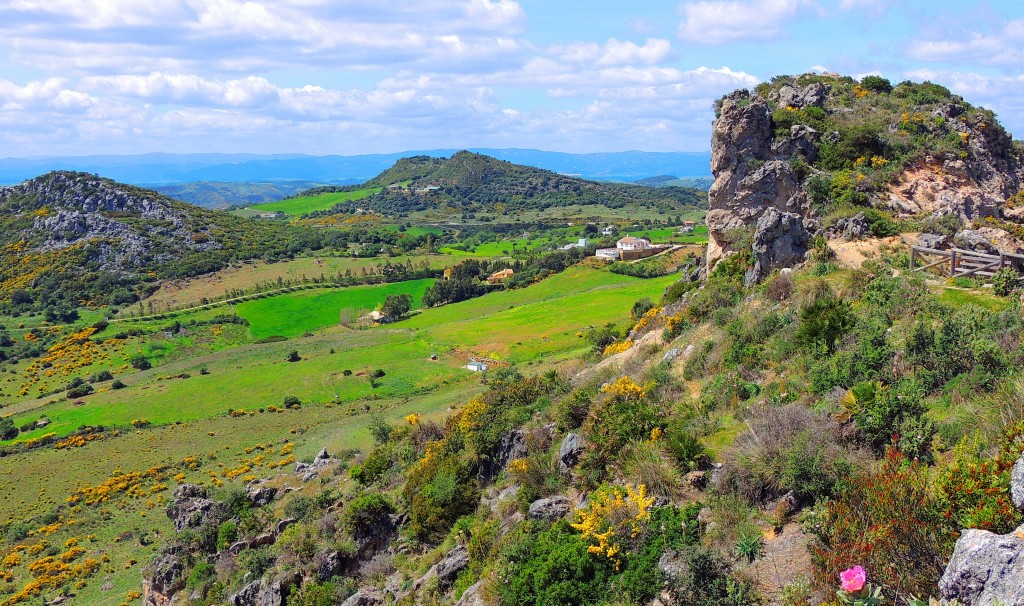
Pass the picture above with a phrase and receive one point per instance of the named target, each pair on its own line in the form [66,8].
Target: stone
[285,523]
[801,97]
[472,597]
[850,228]
[260,495]
[239,546]
[262,540]
[261,593]
[332,563]
[1017,483]
[671,355]
[449,568]
[780,240]
[551,509]
[309,475]
[985,569]
[191,508]
[322,458]
[673,566]
[162,579]
[569,452]
[364,597]
[971,239]
[696,479]
[511,446]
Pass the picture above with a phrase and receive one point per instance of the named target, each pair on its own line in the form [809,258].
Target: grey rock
[332,563]
[512,446]
[785,505]
[971,239]
[472,597]
[260,495]
[262,540]
[569,452]
[986,569]
[800,98]
[447,569]
[190,508]
[936,241]
[671,355]
[163,579]
[779,241]
[673,566]
[553,508]
[309,475]
[850,228]
[285,523]
[261,593]
[239,546]
[322,458]
[301,467]
[364,597]
[1017,483]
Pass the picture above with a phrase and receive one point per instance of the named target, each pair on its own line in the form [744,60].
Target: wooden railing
[965,262]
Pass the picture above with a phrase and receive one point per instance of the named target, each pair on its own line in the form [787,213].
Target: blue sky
[351,76]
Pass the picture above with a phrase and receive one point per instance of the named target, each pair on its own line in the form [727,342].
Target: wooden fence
[964,262]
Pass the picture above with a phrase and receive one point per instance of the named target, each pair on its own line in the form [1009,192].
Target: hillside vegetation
[468,185]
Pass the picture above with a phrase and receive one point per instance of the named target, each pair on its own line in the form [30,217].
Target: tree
[140,362]
[7,429]
[396,306]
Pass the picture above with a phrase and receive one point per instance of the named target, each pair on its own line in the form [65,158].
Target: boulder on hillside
[780,240]
[1017,483]
[569,452]
[364,597]
[191,507]
[551,509]
[163,578]
[986,569]
[262,593]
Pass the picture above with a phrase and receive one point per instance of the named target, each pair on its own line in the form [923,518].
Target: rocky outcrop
[162,579]
[1017,484]
[262,593]
[753,174]
[849,228]
[569,452]
[986,569]
[780,240]
[191,507]
[551,509]
[364,597]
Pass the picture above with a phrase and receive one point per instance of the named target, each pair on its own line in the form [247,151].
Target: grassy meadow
[293,314]
[308,204]
[183,431]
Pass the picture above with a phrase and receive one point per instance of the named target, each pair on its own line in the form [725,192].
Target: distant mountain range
[165,169]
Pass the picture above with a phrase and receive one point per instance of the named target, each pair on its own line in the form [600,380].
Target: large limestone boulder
[986,569]
[780,241]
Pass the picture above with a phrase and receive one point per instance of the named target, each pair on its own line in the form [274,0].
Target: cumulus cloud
[1001,48]
[722,21]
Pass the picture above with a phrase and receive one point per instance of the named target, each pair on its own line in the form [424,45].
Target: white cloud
[1002,93]
[1001,48]
[872,8]
[722,21]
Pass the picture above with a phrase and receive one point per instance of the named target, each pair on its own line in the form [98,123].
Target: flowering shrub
[615,517]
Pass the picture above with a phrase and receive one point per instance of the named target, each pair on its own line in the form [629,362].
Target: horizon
[122,77]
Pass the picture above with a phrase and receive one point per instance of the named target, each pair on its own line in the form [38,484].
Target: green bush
[824,321]
[708,581]
[439,490]
[1005,281]
[366,511]
[140,362]
[227,533]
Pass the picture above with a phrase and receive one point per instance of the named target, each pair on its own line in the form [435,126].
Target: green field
[293,314]
[308,204]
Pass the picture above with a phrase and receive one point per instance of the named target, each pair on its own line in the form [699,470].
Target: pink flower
[853,579]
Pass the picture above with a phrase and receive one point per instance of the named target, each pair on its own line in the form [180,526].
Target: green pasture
[308,204]
[293,314]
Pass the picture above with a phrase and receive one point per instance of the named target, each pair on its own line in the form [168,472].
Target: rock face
[569,452]
[780,240]
[986,569]
[261,593]
[551,509]
[163,578]
[753,174]
[191,507]
[1017,483]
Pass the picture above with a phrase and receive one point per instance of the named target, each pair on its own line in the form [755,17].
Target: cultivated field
[308,204]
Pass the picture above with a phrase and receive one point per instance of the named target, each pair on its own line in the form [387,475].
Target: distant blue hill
[168,169]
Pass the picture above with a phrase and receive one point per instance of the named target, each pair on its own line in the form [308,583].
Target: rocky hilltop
[69,236]
[825,155]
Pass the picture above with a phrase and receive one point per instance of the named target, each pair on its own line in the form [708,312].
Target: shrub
[883,413]
[750,546]
[439,489]
[293,356]
[227,533]
[887,521]
[621,415]
[366,511]
[789,449]
[572,410]
[8,431]
[708,581]
[1005,281]
[117,384]
[876,84]
[824,321]
[201,574]
[80,391]
[140,362]
[98,377]
[641,307]
[292,402]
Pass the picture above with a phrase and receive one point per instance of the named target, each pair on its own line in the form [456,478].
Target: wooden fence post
[912,252]
[952,264]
